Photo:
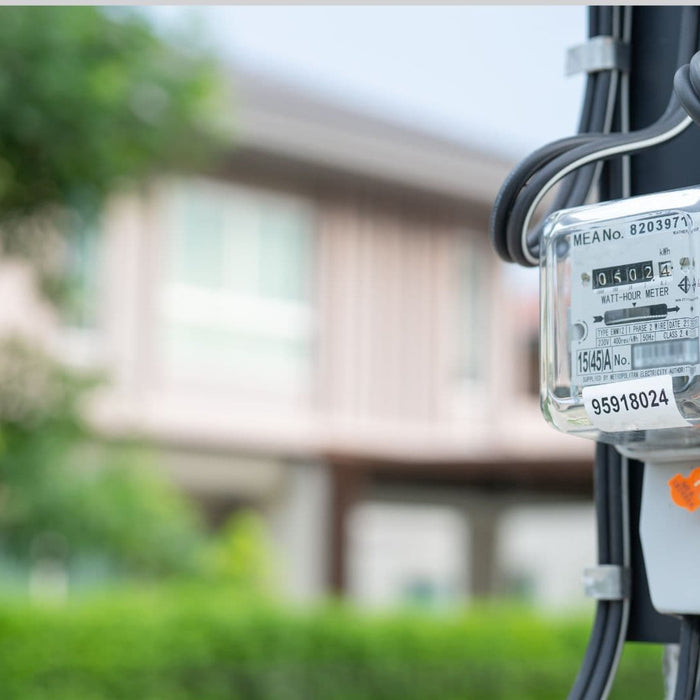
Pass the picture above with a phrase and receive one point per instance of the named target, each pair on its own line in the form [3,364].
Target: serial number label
[637,404]
[625,402]
[662,223]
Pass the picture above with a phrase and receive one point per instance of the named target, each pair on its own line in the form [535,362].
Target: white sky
[492,76]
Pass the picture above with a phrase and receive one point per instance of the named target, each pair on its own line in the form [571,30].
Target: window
[542,550]
[237,294]
[415,554]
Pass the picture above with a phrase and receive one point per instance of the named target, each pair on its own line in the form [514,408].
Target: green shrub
[186,643]
[66,497]
[240,555]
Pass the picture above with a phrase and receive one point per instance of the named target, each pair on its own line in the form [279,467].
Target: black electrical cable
[686,84]
[668,125]
[688,658]
[673,122]
[688,44]
[600,661]
[596,111]
[601,677]
[602,512]
[594,114]
[595,117]
[514,183]
[524,189]
[595,150]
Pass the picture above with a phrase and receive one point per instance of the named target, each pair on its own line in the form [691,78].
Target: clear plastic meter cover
[619,319]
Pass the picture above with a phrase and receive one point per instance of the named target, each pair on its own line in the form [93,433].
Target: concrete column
[301,527]
[483,520]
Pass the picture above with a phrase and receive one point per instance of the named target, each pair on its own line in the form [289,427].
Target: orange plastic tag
[685,491]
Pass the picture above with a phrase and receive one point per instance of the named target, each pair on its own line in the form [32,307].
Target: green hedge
[182,644]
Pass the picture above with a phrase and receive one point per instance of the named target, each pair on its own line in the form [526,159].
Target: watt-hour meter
[619,318]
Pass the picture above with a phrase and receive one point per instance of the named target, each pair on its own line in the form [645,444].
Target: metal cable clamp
[607,582]
[597,54]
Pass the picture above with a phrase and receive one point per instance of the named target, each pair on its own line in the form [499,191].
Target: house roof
[279,119]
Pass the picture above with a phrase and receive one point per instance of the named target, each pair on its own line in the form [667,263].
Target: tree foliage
[89,98]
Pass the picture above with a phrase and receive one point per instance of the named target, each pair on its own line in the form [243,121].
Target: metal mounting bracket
[607,582]
[597,54]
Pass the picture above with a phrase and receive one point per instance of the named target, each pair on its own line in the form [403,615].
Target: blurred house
[322,332]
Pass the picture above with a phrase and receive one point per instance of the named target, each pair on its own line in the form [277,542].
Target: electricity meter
[620,353]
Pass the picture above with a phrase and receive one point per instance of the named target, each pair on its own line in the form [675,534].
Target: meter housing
[620,349]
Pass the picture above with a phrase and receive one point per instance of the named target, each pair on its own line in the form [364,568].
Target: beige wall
[386,297]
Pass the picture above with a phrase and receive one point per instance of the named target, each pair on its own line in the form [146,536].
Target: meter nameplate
[634,303]
[637,404]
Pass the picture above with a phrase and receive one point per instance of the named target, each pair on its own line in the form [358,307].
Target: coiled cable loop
[511,235]
[686,84]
